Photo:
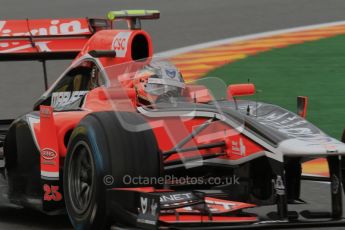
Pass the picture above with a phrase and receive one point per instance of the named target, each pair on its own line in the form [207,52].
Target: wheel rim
[81,178]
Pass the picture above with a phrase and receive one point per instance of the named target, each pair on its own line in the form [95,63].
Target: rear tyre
[104,148]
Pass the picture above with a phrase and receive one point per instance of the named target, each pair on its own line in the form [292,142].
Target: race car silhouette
[122,140]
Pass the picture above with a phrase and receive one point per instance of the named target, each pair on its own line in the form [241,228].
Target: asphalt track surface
[182,23]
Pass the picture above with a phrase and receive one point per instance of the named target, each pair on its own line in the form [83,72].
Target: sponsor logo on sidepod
[48,154]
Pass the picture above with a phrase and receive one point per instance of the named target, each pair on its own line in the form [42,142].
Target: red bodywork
[44,37]
[76,35]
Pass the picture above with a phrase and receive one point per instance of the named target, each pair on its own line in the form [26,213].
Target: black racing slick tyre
[103,149]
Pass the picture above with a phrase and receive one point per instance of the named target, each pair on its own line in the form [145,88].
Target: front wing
[148,208]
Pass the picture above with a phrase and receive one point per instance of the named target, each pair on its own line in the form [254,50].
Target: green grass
[313,69]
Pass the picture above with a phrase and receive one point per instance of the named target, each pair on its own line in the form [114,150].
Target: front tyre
[104,148]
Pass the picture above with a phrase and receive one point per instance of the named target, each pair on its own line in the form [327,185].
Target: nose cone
[318,146]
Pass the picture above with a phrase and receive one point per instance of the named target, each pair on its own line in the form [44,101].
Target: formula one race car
[121,140]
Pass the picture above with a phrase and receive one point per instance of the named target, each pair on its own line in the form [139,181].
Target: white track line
[186,49]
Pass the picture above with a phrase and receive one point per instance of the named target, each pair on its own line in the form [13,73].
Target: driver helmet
[158,82]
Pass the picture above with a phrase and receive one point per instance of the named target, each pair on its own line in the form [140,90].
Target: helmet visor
[159,89]
[156,86]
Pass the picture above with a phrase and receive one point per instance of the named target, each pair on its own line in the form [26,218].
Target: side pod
[50,161]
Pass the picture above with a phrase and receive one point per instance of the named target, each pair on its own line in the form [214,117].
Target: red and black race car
[121,140]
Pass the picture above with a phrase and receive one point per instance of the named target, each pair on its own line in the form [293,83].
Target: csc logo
[120,44]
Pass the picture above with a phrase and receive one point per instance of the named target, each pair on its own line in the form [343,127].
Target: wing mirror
[302,104]
[235,90]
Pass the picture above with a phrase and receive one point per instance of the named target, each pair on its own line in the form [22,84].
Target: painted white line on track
[315,181]
[178,51]
[314,175]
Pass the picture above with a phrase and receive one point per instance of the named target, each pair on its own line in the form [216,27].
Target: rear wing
[43,39]
[53,39]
